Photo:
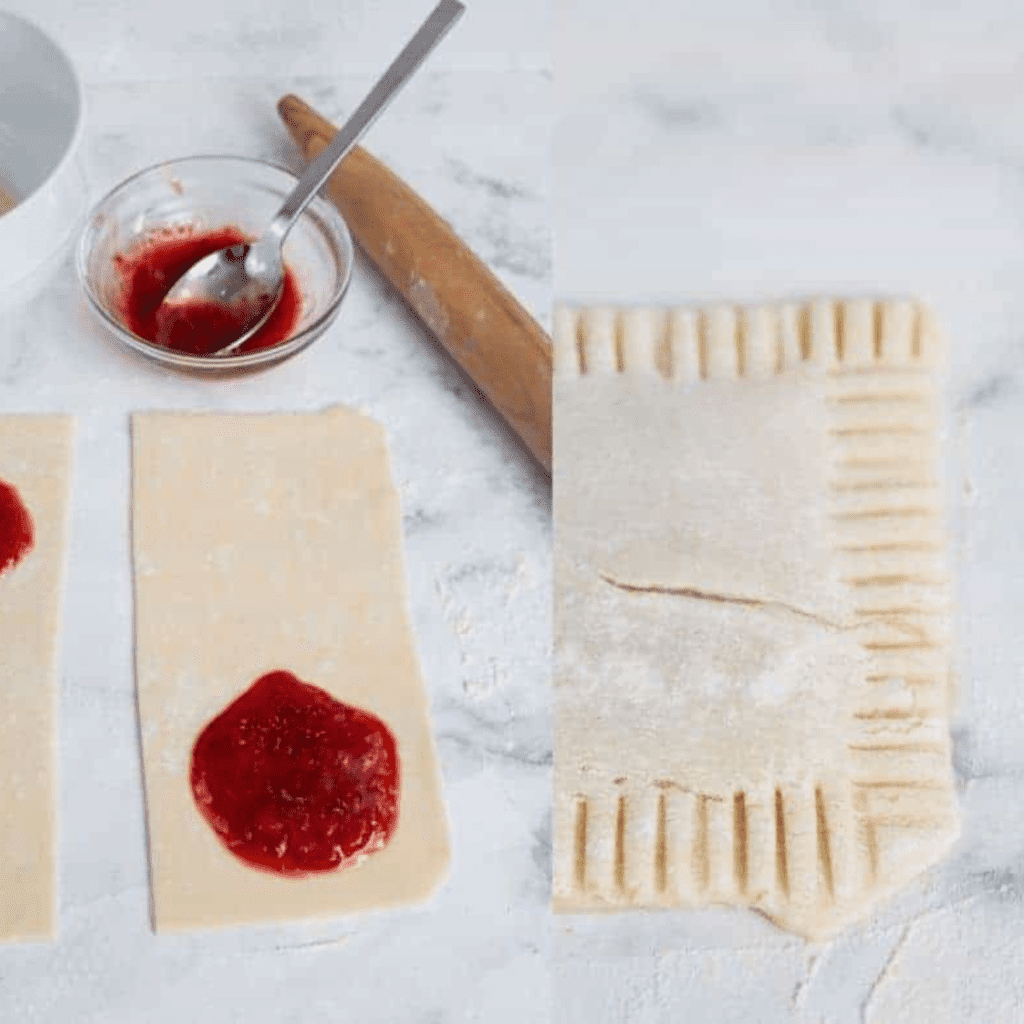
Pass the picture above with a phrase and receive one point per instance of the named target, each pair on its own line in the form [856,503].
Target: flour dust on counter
[752,609]
[290,767]
[35,466]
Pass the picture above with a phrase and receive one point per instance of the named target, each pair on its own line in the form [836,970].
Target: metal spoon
[246,281]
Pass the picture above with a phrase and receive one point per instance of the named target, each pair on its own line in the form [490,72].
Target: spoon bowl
[229,294]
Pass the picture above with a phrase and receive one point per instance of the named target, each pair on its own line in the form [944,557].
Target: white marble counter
[471,135]
[753,149]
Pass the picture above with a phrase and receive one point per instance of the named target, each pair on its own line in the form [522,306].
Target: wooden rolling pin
[7,200]
[469,311]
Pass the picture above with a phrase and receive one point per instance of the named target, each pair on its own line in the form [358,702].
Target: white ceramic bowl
[41,117]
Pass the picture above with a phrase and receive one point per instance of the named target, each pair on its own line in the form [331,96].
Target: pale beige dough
[751,609]
[35,457]
[268,542]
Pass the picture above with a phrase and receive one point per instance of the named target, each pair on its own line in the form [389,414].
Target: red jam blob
[16,531]
[151,268]
[293,781]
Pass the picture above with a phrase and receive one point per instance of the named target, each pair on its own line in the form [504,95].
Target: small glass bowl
[207,192]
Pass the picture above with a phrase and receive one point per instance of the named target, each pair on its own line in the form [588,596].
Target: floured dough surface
[751,609]
[267,542]
[35,458]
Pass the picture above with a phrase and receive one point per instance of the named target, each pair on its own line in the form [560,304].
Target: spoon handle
[431,32]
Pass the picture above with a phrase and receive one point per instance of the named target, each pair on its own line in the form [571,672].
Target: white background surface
[471,135]
[733,150]
[751,149]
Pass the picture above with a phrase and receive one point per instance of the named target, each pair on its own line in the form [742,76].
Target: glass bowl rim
[171,357]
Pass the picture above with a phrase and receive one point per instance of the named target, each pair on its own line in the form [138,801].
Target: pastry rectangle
[266,542]
[752,608]
[35,459]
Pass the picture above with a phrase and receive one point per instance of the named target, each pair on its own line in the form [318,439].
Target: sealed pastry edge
[877,354]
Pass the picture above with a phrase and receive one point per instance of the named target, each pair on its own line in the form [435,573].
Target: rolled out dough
[35,457]
[752,609]
[264,542]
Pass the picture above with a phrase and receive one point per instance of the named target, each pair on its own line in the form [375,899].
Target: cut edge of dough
[783,851]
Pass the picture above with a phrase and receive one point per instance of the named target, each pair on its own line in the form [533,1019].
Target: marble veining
[471,135]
